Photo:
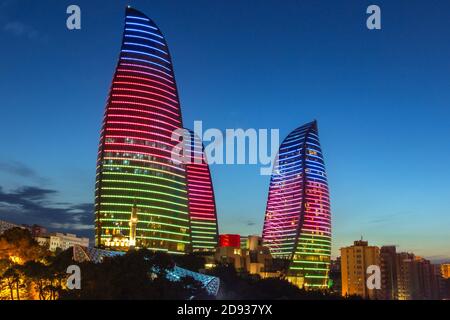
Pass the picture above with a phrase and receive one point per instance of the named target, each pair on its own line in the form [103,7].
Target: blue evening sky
[381,98]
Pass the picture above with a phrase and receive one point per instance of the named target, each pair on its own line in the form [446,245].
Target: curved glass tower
[202,205]
[297,224]
[134,164]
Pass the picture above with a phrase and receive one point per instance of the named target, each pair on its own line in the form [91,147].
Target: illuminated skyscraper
[297,224]
[202,205]
[134,161]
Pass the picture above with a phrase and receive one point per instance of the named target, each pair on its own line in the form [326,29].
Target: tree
[234,285]
[17,244]
[192,288]
[12,277]
[191,261]
[38,275]
[136,275]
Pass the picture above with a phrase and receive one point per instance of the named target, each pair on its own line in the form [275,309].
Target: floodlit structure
[134,163]
[202,204]
[210,283]
[297,224]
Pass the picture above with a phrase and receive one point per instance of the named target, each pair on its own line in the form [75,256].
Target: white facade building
[61,240]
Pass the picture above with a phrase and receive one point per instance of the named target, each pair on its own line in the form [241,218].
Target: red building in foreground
[230,240]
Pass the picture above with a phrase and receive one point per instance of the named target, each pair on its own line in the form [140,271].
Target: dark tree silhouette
[137,275]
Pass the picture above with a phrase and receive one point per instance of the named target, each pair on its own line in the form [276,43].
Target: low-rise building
[246,254]
[445,270]
[61,241]
[335,276]
[354,262]
[4,225]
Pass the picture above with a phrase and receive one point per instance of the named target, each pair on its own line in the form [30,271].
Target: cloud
[33,205]
[20,169]
[17,168]
[388,218]
[34,193]
[20,29]
[250,223]
[438,259]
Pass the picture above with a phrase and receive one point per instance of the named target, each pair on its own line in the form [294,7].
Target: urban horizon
[249,160]
[32,186]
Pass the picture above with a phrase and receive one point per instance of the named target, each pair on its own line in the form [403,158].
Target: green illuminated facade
[134,164]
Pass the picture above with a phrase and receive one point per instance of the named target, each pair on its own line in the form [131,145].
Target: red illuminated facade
[297,225]
[230,240]
[134,165]
[202,205]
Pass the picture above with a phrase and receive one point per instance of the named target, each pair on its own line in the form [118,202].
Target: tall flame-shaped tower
[297,224]
[134,163]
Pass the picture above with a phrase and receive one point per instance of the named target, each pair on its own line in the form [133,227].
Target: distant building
[4,225]
[354,262]
[230,240]
[389,281]
[335,276]
[244,242]
[61,241]
[36,230]
[440,281]
[258,259]
[251,257]
[418,279]
[404,276]
[445,270]
[229,251]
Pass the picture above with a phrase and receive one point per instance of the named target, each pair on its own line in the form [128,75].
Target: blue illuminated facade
[297,224]
[134,166]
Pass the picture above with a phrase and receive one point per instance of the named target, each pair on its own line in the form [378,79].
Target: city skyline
[382,93]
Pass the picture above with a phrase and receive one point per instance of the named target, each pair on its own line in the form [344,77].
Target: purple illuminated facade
[297,224]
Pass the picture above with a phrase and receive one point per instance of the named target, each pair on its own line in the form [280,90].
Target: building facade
[297,225]
[62,241]
[336,276]
[202,204]
[252,258]
[354,263]
[230,240]
[5,225]
[389,273]
[404,276]
[445,270]
[134,165]
[418,279]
